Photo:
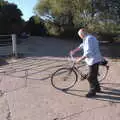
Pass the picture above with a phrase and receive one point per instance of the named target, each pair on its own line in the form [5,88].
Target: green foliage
[64,11]
[1,3]
[105,31]
[98,15]
[36,19]
[10,18]
[105,27]
[35,26]
[109,9]
[53,29]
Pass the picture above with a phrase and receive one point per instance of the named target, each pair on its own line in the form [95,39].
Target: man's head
[82,33]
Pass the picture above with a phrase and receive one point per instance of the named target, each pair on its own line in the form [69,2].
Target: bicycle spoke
[64,78]
[102,73]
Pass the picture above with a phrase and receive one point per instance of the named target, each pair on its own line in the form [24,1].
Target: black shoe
[98,89]
[91,93]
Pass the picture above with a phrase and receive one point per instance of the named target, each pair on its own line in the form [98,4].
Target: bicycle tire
[83,71]
[64,78]
[102,72]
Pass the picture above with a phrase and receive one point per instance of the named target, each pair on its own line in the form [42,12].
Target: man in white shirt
[92,56]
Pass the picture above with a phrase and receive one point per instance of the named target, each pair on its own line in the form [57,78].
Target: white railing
[14,45]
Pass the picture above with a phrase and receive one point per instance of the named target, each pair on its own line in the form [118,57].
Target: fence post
[14,46]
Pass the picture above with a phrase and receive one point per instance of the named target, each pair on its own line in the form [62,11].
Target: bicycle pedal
[83,77]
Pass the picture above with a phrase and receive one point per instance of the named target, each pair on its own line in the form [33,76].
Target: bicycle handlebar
[72,59]
[71,56]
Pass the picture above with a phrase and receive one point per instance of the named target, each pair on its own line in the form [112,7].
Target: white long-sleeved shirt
[91,50]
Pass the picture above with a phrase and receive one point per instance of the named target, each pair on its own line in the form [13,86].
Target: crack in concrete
[9,115]
[1,93]
[78,113]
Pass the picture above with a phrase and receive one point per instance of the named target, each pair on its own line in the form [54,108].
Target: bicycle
[66,77]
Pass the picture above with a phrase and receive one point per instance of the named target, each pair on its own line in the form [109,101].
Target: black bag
[103,62]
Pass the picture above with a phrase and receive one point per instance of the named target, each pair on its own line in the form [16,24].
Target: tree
[10,17]
[97,15]
[110,9]
[75,11]
[106,17]
[64,11]
[35,26]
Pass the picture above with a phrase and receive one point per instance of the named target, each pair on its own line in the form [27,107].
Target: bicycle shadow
[109,94]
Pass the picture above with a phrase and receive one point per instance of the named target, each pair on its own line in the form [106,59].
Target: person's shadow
[3,62]
[109,94]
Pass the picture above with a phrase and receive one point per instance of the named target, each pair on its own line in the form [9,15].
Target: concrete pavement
[26,92]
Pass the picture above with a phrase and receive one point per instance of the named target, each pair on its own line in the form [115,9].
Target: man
[92,56]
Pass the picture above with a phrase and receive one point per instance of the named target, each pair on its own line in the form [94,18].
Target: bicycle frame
[59,81]
[73,66]
[84,76]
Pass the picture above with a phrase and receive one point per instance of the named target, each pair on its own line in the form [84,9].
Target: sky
[26,6]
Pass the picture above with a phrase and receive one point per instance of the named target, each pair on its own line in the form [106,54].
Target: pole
[14,46]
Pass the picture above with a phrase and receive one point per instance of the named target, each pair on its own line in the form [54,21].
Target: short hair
[82,31]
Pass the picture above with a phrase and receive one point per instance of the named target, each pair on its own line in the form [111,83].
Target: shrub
[52,29]
[106,31]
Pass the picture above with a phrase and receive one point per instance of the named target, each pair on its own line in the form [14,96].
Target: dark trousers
[92,76]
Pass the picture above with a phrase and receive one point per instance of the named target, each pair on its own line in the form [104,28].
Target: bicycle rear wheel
[102,73]
[64,78]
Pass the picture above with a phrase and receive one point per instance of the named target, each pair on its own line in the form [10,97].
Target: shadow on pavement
[3,62]
[107,94]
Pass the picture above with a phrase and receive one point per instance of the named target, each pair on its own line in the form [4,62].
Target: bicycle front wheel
[64,78]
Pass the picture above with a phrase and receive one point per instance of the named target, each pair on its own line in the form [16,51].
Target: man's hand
[80,59]
[72,52]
